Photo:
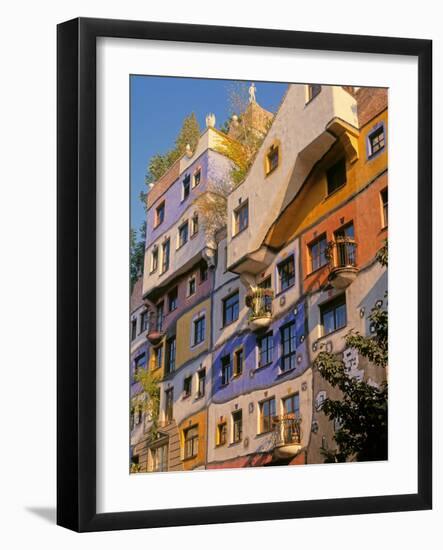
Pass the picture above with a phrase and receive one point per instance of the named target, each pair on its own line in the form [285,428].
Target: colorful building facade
[237,318]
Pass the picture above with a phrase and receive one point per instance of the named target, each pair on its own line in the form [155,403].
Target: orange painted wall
[312,203]
[365,212]
[199,419]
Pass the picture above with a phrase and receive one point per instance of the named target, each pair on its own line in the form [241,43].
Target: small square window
[159,214]
[317,252]
[203,273]
[336,176]
[154,260]
[133,329]
[199,330]
[333,315]
[166,247]
[267,414]
[186,187]
[172,299]
[191,442]
[286,273]
[221,435]
[182,235]
[288,347]
[191,286]
[238,361]
[194,225]
[187,386]
[272,158]
[231,309]
[237,426]
[201,381]
[376,140]
[143,322]
[241,218]
[226,370]
[265,346]
[197,178]
[171,348]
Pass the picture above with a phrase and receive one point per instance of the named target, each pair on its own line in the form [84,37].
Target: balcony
[259,302]
[155,328]
[342,254]
[287,436]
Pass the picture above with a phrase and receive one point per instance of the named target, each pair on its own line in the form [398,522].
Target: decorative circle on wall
[302,338]
[304,386]
[329,347]
[299,358]
[362,312]
[295,311]
[246,442]
[282,300]
[378,303]
[314,346]
[251,373]
[314,427]
[251,407]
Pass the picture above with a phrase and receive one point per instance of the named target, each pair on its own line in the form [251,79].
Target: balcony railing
[259,302]
[286,435]
[155,327]
[342,254]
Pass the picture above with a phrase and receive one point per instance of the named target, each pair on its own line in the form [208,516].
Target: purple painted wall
[266,376]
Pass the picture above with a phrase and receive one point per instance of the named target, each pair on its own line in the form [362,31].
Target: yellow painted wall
[198,419]
[312,202]
[184,351]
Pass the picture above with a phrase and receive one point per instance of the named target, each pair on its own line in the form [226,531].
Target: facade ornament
[210,120]
[252,90]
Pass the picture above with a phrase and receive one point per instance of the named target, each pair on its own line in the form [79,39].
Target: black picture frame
[76,264]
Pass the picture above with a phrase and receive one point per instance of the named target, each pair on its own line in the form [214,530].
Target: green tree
[137,253]
[362,413]
[151,405]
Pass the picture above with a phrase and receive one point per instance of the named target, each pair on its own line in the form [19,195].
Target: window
[266,283]
[333,315]
[159,214]
[230,309]
[139,363]
[169,404]
[199,330]
[191,442]
[186,187]
[157,357]
[241,215]
[182,234]
[159,317]
[171,348]
[291,408]
[345,232]
[265,349]
[272,158]
[160,459]
[336,176]
[317,252]
[237,418]
[267,412]
[313,91]
[143,321]
[165,255]
[286,273]
[187,386]
[238,362]
[345,253]
[288,347]
[197,178]
[154,259]
[133,329]
[191,286]
[226,369]
[384,205]
[203,273]
[172,299]
[376,140]
[201,380]
[194,225]
[221,435]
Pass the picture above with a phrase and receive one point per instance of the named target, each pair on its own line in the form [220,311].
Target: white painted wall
[256,442]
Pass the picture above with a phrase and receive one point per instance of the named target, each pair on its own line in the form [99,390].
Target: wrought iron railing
[259,302]
[342,253]
[286,429]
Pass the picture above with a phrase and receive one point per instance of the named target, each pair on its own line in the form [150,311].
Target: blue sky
[158,107]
